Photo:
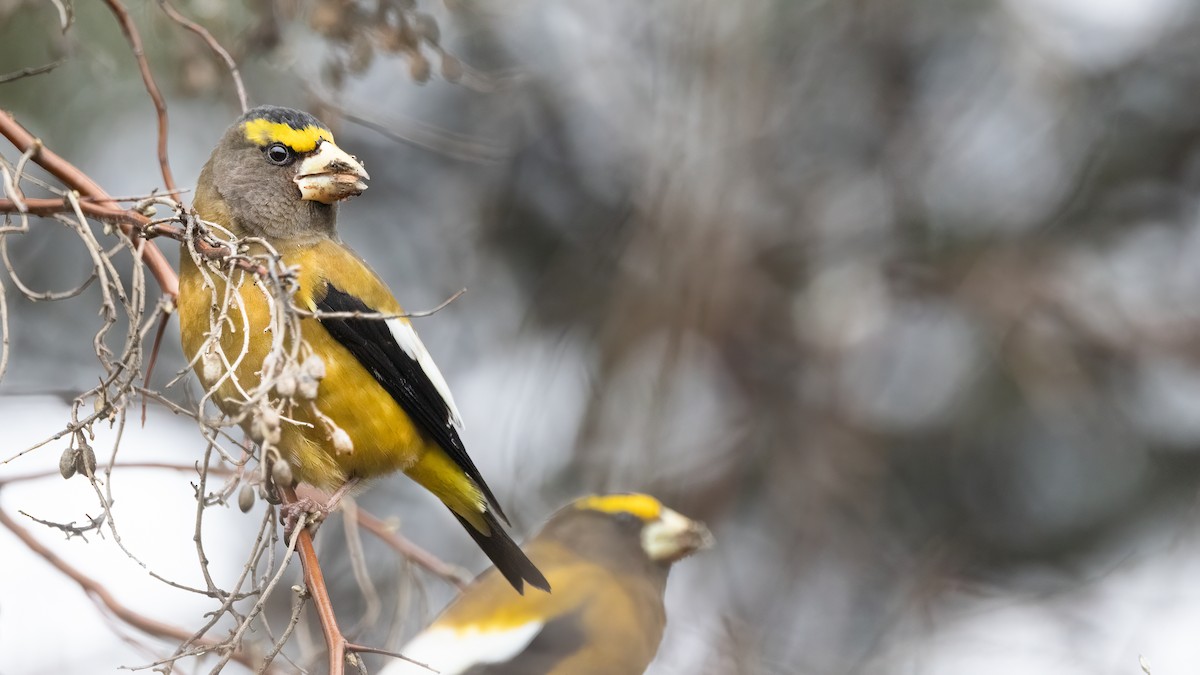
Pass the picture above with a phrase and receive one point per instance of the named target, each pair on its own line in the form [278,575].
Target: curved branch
[411,551]
[335,641]
[160,106]
[98,591]
[77,180]
[212,44]
[50,207]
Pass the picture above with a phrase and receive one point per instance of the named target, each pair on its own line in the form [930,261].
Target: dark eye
[627,519]
[278,153]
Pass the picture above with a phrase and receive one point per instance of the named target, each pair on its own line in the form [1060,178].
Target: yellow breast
[382,437]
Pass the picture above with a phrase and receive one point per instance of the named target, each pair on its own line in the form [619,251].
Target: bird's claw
[311,511]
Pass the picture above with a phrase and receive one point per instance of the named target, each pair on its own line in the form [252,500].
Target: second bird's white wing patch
[408,340]
[451,651]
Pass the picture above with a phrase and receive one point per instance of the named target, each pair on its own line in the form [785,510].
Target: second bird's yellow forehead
[263,132]
[644,507]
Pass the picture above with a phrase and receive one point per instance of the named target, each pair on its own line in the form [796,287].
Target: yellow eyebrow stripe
[644,507]
[263,132]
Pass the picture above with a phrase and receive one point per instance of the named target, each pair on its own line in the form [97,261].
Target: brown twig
[158,336]
[49,473]
[135,224]
[212,44]
[411,551]
[358,565]
[335,641]
[30,71]
[75,179]
[86,199]
[97,591]
[160,106]
[50,207]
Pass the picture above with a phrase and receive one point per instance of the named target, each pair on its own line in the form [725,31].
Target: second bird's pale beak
[330,175]
[674,536]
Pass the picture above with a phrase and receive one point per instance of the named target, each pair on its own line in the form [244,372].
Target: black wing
[372,343]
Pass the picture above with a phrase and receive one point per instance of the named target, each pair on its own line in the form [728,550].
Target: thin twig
[50,207]
[364,649]
[66,14]
[97,590]
[212,44]
[379,316]
[454,146]
[75,179]
[3,331]
[160,106]
[297,611]
[358,565]
[30,71]
[166,311]
[335,641]
[411,551]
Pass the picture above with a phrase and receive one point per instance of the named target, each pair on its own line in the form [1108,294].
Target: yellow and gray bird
[381,406]
[607,558]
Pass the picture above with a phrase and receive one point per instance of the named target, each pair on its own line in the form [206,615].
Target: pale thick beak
[674,536]
[330,175]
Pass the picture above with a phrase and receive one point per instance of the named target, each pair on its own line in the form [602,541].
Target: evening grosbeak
[277,175]
[608,558]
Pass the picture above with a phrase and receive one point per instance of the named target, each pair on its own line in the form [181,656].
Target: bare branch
[75,179]
[160,106]
[30,71]
[213,45]
[411,551]
[335,641]
[97,590]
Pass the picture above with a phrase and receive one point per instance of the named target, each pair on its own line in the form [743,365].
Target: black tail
[506,555]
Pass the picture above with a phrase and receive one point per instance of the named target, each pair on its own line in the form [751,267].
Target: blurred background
[901,298]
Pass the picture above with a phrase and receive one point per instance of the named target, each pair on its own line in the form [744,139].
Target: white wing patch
[451,651]
[408,340]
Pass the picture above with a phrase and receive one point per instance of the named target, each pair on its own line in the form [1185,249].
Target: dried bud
[85,461]
[342,444]
[281,473]
[270,416]
[246,498]
[66,463]
[314,367]
[452,68]
[263,434]
[264,429]
[306,388]
[210,365]
[418,67]
[285,385]
[426,26]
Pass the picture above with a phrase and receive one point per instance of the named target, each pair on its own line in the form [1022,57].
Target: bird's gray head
[276,173]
